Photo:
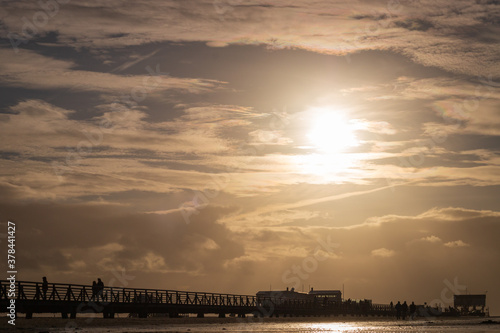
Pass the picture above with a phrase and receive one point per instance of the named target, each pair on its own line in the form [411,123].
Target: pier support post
[72,315]
[201,315]
[29,315]
[112,315]
[222,315]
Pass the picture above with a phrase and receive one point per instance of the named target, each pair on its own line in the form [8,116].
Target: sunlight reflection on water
[386,326]
[333,327]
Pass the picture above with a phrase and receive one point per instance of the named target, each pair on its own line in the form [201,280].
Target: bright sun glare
[331,132]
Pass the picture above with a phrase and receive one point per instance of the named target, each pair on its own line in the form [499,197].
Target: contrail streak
[304,203]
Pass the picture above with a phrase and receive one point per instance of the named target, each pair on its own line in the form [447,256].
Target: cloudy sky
[233,146]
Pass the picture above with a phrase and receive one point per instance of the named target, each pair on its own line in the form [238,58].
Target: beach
[299,324]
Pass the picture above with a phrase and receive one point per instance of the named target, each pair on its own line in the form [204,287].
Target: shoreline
[94,322]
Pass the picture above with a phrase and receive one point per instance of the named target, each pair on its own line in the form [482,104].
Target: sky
[235,146]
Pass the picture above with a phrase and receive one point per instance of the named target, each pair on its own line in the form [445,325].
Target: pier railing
[62,292]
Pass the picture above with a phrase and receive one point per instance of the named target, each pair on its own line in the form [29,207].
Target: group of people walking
[97,289]
[402,310]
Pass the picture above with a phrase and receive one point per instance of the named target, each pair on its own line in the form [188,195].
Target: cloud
[457,243]
[441,214]
[466,116]
[431,239]
[37,124]
[117,151]
[414,24]
[459,37]
[465,93]
[379,127]
[393,232]
[34,71]
[383,253]
[106,241]
[211,131]
[457,214]
[266,137]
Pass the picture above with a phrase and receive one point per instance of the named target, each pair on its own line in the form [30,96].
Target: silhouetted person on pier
[398,310]
[413,309]
[45,287]
[404,310]
[94,290]
[100,289]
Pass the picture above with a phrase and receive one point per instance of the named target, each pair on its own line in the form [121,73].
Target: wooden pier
[71,299]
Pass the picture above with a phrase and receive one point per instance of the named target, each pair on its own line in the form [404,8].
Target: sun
[331,135]
[331,132]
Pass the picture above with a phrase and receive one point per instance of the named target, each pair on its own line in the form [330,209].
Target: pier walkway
[70,299]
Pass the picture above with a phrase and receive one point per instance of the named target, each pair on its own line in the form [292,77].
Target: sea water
[435,325]
[367,327]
